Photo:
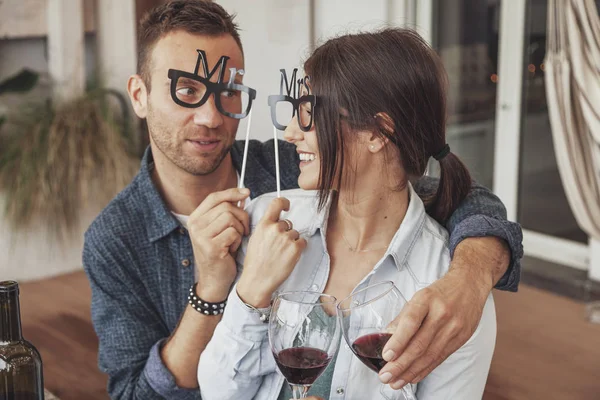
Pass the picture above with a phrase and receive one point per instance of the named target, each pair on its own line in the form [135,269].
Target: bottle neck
[10,317]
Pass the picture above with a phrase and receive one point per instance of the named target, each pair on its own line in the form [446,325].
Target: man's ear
[138,95]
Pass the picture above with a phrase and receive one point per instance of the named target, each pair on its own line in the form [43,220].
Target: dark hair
[201,17]
[368,75]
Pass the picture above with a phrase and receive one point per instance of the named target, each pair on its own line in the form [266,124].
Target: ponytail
[454,186]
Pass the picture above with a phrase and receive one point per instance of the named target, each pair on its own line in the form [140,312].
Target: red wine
[369,349]
[302,365]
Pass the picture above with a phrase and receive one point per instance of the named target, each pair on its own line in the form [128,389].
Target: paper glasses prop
[285,106]
[190,90]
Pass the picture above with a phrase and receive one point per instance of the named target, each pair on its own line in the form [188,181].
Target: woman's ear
[385,123]
[378,140]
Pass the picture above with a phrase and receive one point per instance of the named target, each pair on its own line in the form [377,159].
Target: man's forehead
[178,50]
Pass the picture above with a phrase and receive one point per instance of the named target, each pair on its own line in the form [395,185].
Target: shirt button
[314,287]
[185,262]
[181,231]
[340,390]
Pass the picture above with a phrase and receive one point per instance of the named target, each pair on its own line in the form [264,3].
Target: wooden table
[49,396]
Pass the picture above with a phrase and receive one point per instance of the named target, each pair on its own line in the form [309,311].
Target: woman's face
[357,157]
[307,147]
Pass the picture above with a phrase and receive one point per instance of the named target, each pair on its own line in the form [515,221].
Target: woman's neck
[367,220]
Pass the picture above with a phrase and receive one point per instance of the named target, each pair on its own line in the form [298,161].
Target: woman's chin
[307,184]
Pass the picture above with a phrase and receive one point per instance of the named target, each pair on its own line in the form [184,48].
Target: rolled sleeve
[480,226]
[161,380]
[242,320]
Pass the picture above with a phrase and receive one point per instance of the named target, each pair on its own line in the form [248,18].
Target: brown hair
[200,17]
[391,71]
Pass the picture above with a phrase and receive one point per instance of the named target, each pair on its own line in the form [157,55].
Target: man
[177,224]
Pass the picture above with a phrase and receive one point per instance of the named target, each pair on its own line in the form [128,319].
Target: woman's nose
[293,133]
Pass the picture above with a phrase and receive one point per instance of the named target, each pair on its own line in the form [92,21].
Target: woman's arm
[238,357]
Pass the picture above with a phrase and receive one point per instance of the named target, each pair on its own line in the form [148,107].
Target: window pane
[467,41]
[543,205]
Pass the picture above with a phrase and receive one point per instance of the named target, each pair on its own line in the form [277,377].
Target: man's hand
[216,229]
[441,318]
[273,251]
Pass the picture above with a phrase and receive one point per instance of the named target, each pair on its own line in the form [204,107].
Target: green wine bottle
[20,363]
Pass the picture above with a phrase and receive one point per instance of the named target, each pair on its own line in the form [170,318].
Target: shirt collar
[159,220]
[405,237]
[410,230]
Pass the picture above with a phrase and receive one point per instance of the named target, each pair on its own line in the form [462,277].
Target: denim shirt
[139,262]
[417,256]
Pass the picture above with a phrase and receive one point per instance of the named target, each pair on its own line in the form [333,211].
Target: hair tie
[442,153]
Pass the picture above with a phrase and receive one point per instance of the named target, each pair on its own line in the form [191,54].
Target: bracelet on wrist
[205,307]
[264,313]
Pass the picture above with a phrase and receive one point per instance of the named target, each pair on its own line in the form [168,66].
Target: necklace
[355,250]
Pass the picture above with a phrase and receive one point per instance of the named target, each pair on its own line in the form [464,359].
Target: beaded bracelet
[205,307]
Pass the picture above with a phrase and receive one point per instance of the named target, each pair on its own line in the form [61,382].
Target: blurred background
[56,173]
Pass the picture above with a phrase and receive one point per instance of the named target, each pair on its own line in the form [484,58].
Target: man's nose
[208,115]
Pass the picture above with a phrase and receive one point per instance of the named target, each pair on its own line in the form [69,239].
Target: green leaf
[21,82]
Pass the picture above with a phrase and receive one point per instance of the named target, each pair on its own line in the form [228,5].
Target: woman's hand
[273,251]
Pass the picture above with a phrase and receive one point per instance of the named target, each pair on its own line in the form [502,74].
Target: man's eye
[186,91]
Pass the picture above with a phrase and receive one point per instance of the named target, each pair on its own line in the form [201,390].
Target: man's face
[194,139]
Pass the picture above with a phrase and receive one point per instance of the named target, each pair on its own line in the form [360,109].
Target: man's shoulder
[123,214]
[262,152]
[260,167]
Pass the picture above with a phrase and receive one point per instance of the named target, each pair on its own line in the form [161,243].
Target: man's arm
[486,250]
[216,229]
[142,359]
[130,330]
[482,214]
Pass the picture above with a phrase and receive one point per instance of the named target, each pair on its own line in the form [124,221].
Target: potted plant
[57,159]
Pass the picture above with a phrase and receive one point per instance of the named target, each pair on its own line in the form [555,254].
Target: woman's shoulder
[429,258]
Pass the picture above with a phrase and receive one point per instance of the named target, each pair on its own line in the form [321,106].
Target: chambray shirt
[139,262]
[238,363]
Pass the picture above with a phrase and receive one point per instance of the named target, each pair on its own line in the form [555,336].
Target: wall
[278,34]
[35,253]
[275,35]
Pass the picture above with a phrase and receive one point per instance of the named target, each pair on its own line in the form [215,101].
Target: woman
[379,116]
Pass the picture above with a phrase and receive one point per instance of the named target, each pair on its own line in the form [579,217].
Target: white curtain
[572,67]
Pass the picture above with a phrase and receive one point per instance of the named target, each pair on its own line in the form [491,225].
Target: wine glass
[304,334]
[366,318]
